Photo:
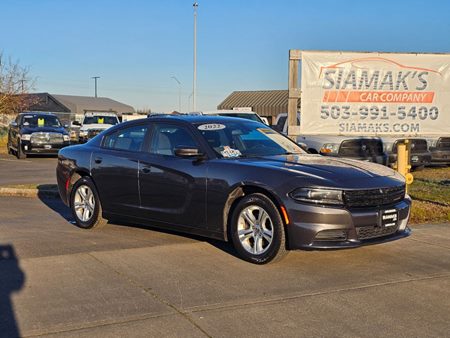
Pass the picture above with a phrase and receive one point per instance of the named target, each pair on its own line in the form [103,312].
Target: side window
[167,137]
[131,138]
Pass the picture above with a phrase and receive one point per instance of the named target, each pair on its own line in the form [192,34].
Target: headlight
[432,142]
[387,146]
[83,133]
[318,196]
[330,148]
[25,137]
[66,137]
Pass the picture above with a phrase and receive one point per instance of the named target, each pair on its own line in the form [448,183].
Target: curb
[31,193]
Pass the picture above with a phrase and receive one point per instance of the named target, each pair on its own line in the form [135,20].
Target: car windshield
[39,120]
[246,139]
[252,117]
[99,119]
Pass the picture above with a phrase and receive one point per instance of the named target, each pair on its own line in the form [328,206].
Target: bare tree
[15,83]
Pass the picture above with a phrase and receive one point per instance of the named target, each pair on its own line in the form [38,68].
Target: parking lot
[59,280]
[33,170]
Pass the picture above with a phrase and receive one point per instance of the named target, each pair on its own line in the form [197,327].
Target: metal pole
[95,79]
[194,85]
[179,92]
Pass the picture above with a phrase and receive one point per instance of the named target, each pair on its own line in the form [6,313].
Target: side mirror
[187,152]
[66,126]
[13,124]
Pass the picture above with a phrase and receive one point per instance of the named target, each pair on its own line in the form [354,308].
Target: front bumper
[440,156]
[417,159]
[42,148]
[350,228]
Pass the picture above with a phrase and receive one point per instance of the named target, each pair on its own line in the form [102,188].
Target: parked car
[354,147]
[420,155]
[36,133]
[234,180]
[249,115]
[94,123]
[440,149]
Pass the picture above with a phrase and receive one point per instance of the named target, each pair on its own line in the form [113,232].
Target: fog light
[331,235]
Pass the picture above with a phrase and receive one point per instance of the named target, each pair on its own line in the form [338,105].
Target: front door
[173,189]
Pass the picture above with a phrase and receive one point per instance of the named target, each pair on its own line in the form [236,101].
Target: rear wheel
[85,205]
[257,230]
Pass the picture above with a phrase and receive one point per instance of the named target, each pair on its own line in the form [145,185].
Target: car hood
[326,169]
[30,130]
[86,127]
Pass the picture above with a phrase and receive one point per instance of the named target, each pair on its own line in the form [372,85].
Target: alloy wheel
[84,203]
[255,229]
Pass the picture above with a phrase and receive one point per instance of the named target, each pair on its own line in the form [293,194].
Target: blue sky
[135,46]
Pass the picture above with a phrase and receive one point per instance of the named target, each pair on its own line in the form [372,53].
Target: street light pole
[194,85]
[179,92]
[95,79]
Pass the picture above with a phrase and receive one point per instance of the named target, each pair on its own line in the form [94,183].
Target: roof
[83,104]
[263,102]
[199,118]
[44,102]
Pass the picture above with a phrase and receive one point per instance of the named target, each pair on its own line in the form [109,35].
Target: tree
[15,83]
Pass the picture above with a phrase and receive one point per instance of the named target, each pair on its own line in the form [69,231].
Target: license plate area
[48,146]
[389,218]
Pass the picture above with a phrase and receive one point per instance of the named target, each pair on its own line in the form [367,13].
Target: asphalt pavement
[32,170]
[122,280]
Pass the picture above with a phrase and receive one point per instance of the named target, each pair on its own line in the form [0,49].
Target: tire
[19,153]
[8,145]
[254,217]
[85,205]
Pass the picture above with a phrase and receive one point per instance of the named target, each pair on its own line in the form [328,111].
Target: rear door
[173,189]
[115,169]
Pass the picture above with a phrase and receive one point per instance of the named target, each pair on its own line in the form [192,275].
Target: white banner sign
[375,94]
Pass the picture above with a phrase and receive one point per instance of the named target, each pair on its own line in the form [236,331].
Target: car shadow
[12,280]
[60,208]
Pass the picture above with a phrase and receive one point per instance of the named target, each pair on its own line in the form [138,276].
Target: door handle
[98,160]
[146,170]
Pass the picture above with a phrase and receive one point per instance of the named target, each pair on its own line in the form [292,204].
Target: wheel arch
[237,194]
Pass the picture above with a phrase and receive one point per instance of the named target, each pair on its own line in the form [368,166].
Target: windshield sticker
[101,120]
[230,152]
[211,126]
[41,122]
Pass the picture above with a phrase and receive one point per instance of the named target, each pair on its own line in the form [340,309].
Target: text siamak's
[374,80]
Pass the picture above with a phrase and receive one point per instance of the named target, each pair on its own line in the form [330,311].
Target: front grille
[361,148]
[371,231]
[417,146]
[46,138]
[94,132]
[374,197]
[443,143]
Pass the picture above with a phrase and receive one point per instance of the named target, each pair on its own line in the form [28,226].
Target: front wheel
[19,153]
[85,204]
[257,230]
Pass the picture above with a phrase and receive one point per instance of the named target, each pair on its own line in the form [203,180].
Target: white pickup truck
[358,148]
[94,123]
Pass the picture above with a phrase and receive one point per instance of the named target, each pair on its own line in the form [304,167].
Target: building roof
[43,102]
[83,104]
[263,102]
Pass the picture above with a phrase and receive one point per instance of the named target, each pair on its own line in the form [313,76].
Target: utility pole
[179,92]
[194,84]
[95,79]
